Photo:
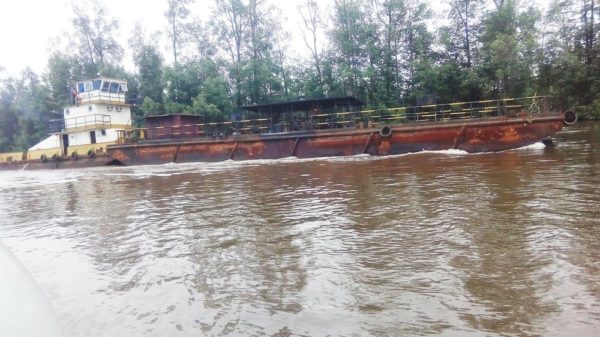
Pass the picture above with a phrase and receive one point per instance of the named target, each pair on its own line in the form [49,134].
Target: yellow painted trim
[97,127]
[121,126]
[11,156]
[37,154]
[82,150]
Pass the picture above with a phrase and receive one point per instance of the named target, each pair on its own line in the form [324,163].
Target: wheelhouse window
[80,87]
[88,86]
[105,86]
[96,84]
[114,87]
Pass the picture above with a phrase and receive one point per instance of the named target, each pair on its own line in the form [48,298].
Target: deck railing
[101,96]
[88,122]
[460,110]
[347,119]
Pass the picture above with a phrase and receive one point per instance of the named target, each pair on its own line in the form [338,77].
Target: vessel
[97,114]
[310,128]
[339,127]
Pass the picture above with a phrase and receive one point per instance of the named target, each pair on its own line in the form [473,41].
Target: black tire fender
[570,118]
[385,131]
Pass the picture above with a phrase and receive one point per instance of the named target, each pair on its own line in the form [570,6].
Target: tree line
[385,52]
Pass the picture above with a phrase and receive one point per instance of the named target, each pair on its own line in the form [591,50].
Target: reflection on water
[425,244]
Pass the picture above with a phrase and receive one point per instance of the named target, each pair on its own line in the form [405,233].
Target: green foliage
[94,34]
[251,38]
[570,67]
[24,111]
[171,107]
[589,112]
[60,79]
[149,65]
[181,83]
[150,107]
[215,92]
[211,112]
[378,50]
[176,15]
[30,132]
[8,125]
[509,50]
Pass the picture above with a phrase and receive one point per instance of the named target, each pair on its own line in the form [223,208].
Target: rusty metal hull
[60,163]
[482,135]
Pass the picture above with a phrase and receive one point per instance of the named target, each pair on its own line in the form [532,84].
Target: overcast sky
[28,27]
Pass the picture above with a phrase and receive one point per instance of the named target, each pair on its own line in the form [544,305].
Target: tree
[465,20]
[176,15]
[230,25]
[391,17]
[349,44]
[60,79]
[150,107]
[509,49]
[309,10]
[249,31]
[24,111]
[570,65]
[265,78]
[95,39]
[212,99]
[417,43]
[182,83]
[204,41]
[149,65]
[8,123]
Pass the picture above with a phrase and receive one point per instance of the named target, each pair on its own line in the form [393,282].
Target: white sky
[27,27]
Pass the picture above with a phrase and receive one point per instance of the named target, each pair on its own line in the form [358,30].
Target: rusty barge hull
[483,135]
[60,163]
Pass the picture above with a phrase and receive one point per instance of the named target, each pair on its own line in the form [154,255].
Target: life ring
[44,158]
[91,153]
[570,118]
[385,131]
[74,155]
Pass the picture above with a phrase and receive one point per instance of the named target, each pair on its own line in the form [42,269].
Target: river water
[446,243]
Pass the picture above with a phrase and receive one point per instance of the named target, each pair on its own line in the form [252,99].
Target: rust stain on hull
[494,134]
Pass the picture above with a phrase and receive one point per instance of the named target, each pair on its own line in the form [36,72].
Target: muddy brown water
[442,244]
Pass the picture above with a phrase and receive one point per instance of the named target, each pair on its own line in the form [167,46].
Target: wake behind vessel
[97,130]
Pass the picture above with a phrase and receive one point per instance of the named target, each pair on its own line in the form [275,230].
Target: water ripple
[435,243]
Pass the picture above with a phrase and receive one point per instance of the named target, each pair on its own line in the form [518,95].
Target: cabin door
[65,143]
[92,137]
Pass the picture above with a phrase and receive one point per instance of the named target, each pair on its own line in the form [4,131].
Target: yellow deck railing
[363,118]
